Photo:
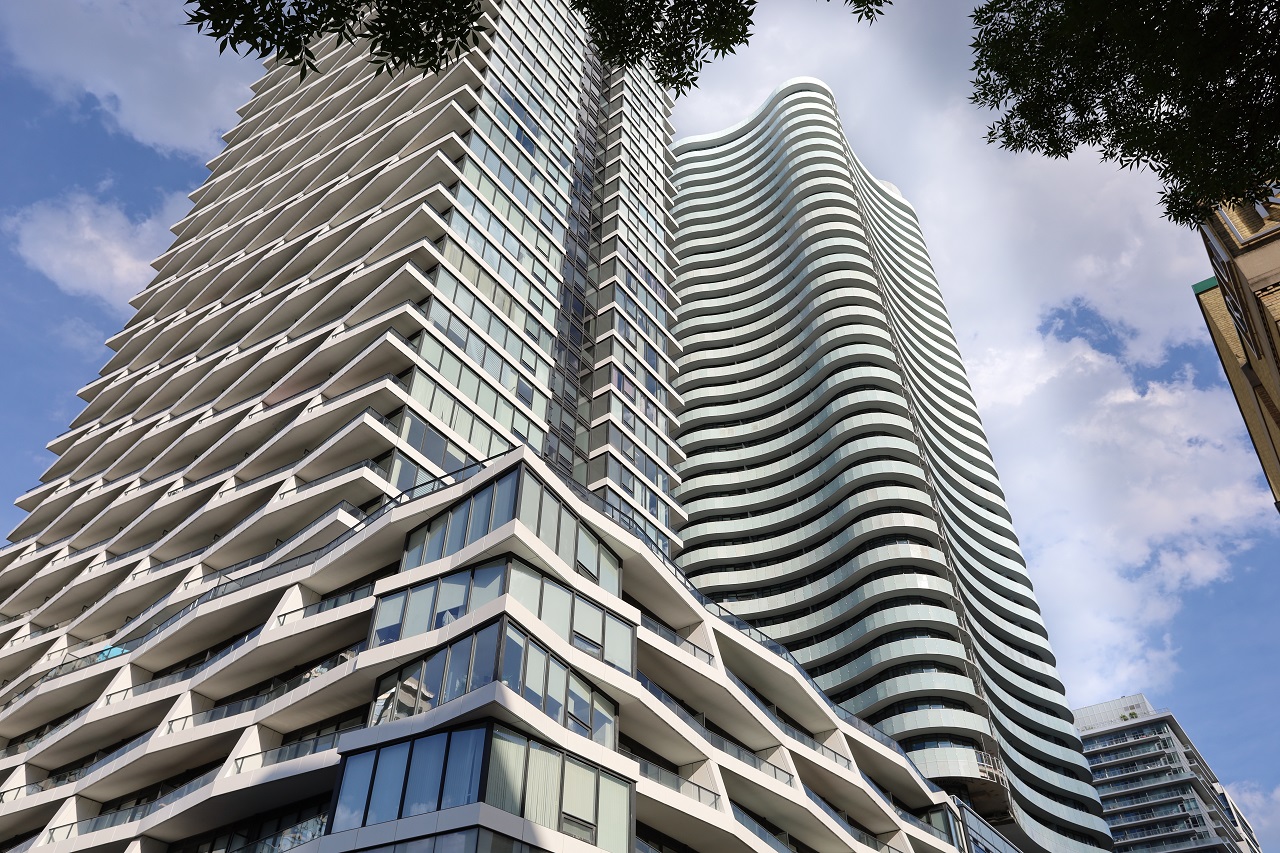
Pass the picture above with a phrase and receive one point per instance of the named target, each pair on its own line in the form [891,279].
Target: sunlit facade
[840,493]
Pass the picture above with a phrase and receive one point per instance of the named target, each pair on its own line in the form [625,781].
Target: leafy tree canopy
[1187,88]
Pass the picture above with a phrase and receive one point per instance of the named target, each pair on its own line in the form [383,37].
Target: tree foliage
[1187,88]
[676,37]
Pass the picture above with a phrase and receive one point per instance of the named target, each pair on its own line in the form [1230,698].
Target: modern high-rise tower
[1158,791]
[840,493]
[362,540]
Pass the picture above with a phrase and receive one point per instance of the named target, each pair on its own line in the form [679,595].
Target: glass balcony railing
[678,783]
[288,752]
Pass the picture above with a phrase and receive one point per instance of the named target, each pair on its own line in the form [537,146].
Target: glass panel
[579,790]
[462,775]
[568,533]
[453,598]
[455,676]
[407,692]
[386,624]
[617,643]
[355,791]
[504,500]
[492,842]
[557,607]
[613,829]
[542,794]
[588,551]
[417,616]
[458,527]
[535,674]
[486,584]
[433,674]
[588,620]
[526,586]
[603,719]
[433,446]
[549,521]
[435,542]
[579,699]
[506,771]
[481,505]
[530,497]
[513,658]
[413,549]
[386,692]
[557,684]
[417,845]
[457,842]
[485,659]
[610,572]
[388,784]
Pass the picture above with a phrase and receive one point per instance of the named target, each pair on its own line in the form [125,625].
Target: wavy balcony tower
[362,540]
[840,494]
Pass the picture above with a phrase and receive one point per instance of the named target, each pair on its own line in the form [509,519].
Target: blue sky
[1140,507]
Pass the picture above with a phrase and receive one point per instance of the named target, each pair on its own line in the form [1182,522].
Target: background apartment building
[1158,791]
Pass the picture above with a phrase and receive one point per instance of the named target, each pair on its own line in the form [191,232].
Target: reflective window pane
[407,693]
[432,676]
[453,598]
[513,657]
[617,643]
[557,686]
[535,674]
[526,586]
[417,615]
[481,505]
[455,676]
[386,624]
[462,775]
[422,793]
[610,572]
[504,500]
[486,584]
[356,776]
[458,527]
[485,657]
[530,499]
[557,607]
[388,783]
[588,622]
[435,541]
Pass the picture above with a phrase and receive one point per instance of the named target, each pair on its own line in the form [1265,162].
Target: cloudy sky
[1149,532]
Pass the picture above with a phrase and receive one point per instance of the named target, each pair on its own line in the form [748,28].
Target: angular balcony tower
[840,494]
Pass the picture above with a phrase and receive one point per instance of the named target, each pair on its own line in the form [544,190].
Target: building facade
[363,539]
[1158,791]
[840,493]
[1241,306]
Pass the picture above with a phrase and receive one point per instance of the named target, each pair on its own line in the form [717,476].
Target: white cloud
[81,337]
[1126,495]
[1262,808]
[153,77]
[90,247]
